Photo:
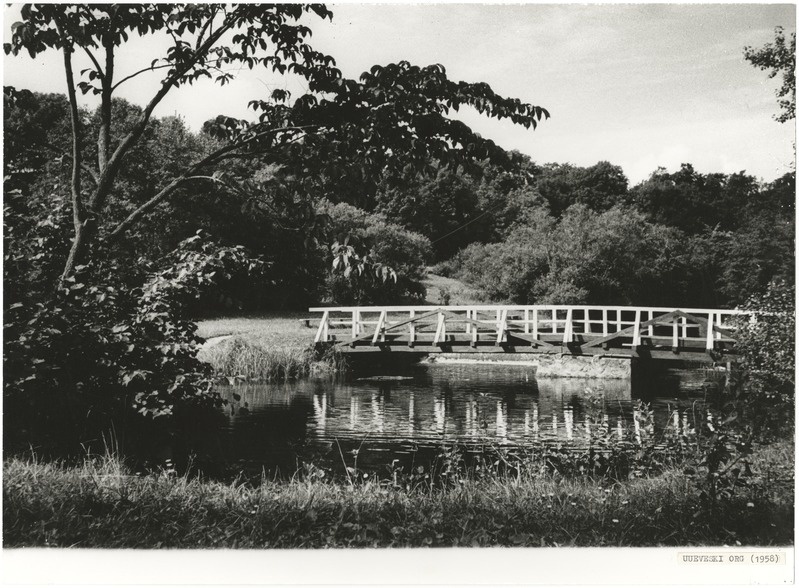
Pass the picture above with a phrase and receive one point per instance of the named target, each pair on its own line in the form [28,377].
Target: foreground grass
[99,504]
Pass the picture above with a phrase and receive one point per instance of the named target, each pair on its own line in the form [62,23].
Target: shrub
[385,243]
[100,355]
[765,394]
[512,270]
[612,257]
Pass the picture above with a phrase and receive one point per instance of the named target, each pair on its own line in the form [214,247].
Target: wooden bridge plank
[488,347]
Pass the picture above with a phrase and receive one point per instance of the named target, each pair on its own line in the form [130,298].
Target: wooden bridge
[611,331]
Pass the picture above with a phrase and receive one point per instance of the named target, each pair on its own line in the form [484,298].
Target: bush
[508,271]
[384,243]
[98,355]
[614,257]
[765,394]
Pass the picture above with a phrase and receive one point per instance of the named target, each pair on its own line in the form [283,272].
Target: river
[369,421]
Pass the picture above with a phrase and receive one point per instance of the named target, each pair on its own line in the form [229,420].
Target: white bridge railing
[538,324]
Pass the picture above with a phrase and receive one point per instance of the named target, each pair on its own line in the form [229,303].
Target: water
[409,413]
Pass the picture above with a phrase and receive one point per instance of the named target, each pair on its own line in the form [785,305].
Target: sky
[641,86]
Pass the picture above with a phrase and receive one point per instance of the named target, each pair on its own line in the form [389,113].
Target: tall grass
[238,357]
[100,503]
[269,347]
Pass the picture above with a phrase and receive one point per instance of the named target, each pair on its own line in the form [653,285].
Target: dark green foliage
[587,257]
[395,116]
[507,201]
[387,247]
[695,202]
[79,364]
[454,207]
[766,395]
[435,207]
[264,36]
[686,238]
[35,137]
[727,266]
[599,187]
[36,239]
[510,270]
[161,322]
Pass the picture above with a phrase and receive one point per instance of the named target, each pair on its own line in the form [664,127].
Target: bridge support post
[441,330]
[356,317]
[710,336]
[675,341]
[567,328]
[637,330]
[322,334]
[503,324]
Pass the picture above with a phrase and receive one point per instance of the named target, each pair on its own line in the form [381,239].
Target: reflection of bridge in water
[426,418]
[470,405]
[460,404]
[613,331]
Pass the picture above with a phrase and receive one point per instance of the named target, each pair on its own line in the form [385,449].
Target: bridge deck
[647,332]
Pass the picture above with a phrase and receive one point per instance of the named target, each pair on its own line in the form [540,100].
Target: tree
[393,115]
[510,271]
[599,187]
[435,207]
[586,258]
[778,57]
[696,202]
[102,29]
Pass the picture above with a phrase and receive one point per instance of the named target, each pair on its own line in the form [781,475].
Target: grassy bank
[265,347]
[99,503]
[449,291]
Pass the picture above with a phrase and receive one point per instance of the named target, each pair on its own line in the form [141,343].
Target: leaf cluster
[778,57]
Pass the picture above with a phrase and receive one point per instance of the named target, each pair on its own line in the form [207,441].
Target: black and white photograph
[444,283]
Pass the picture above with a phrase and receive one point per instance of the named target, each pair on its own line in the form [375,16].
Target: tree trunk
[79,249]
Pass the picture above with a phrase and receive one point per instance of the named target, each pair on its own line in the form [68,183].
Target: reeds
[238,358]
